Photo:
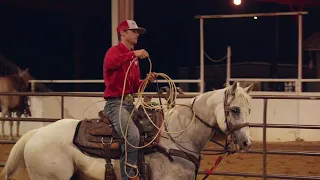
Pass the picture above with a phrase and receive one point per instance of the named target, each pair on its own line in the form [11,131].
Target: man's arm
[152,78]
[115,59]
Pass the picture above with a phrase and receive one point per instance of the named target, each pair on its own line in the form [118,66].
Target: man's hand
[141,54]
[152,77]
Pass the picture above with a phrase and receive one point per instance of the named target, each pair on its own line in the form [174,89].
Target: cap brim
[140,30]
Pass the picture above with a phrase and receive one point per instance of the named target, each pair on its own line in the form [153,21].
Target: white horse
[48,152]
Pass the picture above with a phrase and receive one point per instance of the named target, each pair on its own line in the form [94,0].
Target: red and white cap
[130,24]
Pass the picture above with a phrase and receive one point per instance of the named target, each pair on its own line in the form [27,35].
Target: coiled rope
[170,101]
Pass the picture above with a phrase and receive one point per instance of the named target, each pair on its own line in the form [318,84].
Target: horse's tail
[16,157]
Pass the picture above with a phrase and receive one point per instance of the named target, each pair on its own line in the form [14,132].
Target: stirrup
[111,140]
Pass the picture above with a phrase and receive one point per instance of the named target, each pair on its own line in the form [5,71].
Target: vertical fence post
[265,104]
[62,107]
[202,84]
[228,65]
[300,35]
[33,86]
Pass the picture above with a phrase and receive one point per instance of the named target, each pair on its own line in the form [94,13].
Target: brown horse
[19,104]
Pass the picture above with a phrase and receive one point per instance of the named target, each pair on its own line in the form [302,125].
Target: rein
[230,130]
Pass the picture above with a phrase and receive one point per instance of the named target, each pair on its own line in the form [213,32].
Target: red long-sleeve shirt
[116,62]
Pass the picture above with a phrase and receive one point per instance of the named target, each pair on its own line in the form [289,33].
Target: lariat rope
[168,105]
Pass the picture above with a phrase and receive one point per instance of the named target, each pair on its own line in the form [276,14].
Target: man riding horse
[116,63]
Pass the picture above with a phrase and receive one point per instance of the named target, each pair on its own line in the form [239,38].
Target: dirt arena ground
[248,163]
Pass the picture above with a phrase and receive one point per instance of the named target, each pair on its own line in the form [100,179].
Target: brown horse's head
[24,74]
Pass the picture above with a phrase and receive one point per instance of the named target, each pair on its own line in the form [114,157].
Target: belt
[128,98]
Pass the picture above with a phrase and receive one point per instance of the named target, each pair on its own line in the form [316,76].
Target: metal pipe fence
[280,176]
[276,152]
[264,125]
[100,95]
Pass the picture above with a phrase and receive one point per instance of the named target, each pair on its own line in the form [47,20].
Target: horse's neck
[197,135]
[19,81]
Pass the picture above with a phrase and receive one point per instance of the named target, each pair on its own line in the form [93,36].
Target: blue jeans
[111,110]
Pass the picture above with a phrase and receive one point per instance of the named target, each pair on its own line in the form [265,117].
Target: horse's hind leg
[2,129]
[4,113]
[49,165]
[11,125]
[17,129]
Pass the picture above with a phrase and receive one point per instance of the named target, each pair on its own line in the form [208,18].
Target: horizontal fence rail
[160,81]
[29,119]
[7,142]
[155,95]
[294,126]
[277,152]
[67,94]
[102,81]
[219,16]
[279,176]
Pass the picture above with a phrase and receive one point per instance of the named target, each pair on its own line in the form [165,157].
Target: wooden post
[318,70]
[121,10]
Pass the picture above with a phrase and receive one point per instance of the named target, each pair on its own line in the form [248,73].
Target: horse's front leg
[4,113]
[11,125]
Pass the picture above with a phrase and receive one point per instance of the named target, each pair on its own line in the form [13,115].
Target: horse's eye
[235,110]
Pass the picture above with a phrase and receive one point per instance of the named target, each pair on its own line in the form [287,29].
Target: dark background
[68,39]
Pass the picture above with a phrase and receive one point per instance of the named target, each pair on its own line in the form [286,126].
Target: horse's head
[233,115]
[25,76]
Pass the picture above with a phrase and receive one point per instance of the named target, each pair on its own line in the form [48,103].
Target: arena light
[237,2]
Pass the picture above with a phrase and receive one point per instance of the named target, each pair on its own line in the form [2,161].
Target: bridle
[230,127]
[214,128]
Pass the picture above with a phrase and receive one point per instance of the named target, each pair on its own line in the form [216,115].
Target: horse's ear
[249,88]
[24,72]
[233,87]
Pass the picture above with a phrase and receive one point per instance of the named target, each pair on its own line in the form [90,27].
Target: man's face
[130,36]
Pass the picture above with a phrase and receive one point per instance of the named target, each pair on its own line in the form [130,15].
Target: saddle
[97,138]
